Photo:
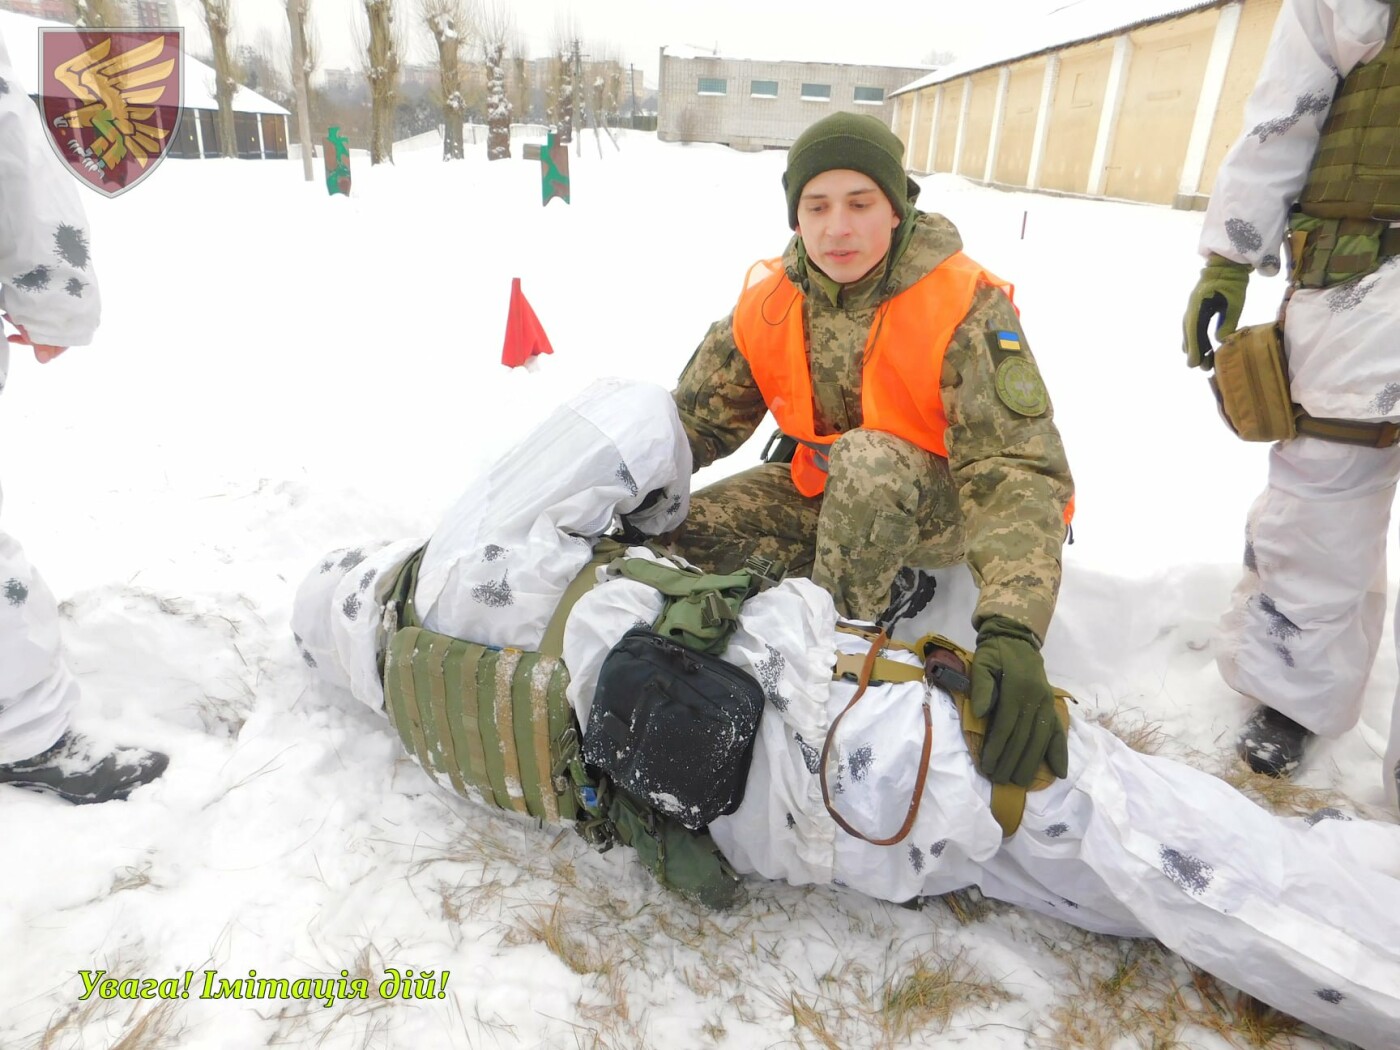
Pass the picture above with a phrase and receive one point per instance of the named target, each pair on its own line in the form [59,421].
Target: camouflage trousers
[887,504]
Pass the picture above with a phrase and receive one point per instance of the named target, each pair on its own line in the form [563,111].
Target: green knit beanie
[856,141]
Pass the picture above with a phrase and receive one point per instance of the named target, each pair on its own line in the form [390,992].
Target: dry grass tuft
[714,1030]
[147,1026]
[815,1021]
[1241,1019]
[151,1029]
[1133,728]
[967,905]
[1138,993]
[1282,796]
[225,715]
[131,878]
[559,932]
[935,990]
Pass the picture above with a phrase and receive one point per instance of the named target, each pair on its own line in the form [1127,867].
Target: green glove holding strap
[1009,685]
[1218,294]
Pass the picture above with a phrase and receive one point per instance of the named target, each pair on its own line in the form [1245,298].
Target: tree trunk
[383,74]
[97,14]
[520,84]
[301,80]
[219,23]
[566,99]
[449,43]
[497,105]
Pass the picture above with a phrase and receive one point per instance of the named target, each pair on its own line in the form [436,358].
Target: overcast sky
[884,32]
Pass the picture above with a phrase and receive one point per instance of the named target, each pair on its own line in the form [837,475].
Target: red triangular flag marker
[524,334]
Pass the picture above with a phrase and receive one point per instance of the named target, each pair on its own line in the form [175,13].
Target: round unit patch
[1020,388]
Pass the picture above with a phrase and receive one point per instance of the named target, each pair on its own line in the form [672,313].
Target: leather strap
[868,666]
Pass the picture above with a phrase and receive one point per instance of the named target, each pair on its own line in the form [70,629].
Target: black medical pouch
[673,728]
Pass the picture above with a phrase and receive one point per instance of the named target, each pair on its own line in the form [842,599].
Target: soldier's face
[846,223]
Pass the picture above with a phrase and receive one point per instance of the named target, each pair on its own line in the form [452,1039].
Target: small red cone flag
[524,334]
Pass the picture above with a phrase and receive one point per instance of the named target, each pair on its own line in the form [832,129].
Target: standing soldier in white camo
[48,291]
[925,435]
[1320,164]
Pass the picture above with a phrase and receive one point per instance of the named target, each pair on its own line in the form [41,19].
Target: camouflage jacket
[1010,470]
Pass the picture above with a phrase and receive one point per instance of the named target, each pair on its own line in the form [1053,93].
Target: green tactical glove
[1218,294]
[1009,684]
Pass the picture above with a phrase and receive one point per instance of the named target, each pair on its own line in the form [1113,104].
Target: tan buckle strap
[867,668]
[1349,431]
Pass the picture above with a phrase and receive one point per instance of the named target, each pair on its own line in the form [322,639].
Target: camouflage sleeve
[1008,464]
[719,402]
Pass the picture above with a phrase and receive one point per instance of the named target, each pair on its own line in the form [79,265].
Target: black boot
[77,771]
[910,593]
[1272,743]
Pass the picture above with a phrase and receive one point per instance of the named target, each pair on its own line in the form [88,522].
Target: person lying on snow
[805,748]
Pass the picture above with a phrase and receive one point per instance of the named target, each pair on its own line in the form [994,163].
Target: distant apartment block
[753,104]
[343,79]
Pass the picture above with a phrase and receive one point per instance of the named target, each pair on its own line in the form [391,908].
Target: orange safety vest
[901,377]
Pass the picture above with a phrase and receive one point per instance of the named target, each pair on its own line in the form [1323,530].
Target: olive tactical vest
[1356,172]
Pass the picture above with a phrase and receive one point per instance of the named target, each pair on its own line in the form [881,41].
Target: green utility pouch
[686,862]
[1251,384]
[1330,251]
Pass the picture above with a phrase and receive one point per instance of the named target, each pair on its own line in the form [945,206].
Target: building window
[816,92]
[872,95]
[763,88]
[713,86]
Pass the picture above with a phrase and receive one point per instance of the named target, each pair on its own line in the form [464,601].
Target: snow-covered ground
[280,373]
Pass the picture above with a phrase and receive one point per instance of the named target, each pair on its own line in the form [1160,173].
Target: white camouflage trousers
[37,691]
[1305,620]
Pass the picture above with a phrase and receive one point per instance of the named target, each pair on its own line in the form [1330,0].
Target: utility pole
[632,83]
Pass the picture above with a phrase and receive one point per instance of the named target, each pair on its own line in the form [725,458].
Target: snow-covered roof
[691,51]
[21,36]
[1072,22]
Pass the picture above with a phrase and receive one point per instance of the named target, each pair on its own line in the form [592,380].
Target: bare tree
[451,23]
[497,27]
[262,67]
[568,90]
[604,76]
[381,66]
[218,21]
[518,83]
[303,63]
[938,57]
[554,80]
[97,14]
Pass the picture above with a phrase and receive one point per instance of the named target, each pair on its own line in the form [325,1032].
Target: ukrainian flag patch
[1009,341]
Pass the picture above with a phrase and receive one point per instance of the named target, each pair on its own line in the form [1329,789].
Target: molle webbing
[1326,252]
[1356,171]
[490,721]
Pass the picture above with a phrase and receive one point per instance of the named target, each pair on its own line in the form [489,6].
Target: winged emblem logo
[111,101]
